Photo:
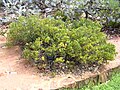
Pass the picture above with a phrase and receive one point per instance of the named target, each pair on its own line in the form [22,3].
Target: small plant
[52,43]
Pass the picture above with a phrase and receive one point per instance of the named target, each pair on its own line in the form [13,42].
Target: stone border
[92,80]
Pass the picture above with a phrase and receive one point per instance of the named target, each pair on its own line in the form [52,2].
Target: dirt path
[18,74]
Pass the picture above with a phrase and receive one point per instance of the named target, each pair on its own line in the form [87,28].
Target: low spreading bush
[50,42]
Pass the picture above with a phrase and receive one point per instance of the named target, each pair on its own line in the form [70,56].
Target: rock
[103,77]
[4,47]
[10,73]
[13,73]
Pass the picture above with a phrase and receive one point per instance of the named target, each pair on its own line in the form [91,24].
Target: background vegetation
[107,11]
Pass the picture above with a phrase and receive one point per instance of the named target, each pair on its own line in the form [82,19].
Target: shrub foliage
[50,42]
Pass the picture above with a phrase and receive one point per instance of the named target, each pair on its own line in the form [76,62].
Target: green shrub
[50,42]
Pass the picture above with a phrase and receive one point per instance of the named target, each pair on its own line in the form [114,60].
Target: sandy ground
[18,74]
[15,73]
